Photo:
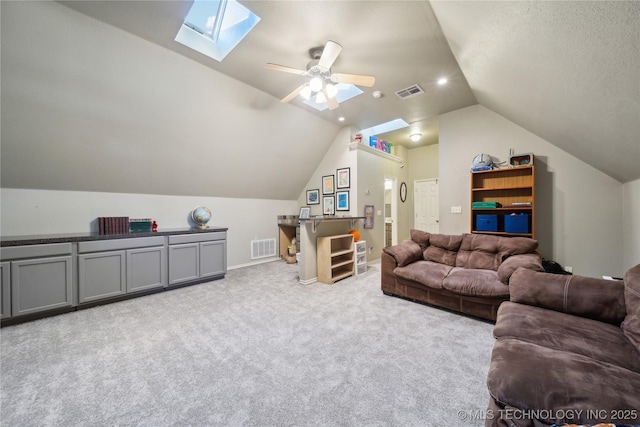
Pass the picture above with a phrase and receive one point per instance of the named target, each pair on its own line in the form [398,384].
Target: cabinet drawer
[195,238]
[34,251]
[119,244]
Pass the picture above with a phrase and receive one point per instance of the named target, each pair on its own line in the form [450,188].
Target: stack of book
[113,224]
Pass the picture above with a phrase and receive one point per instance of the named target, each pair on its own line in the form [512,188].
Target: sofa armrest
[405,253]
[531,261]
[588,297]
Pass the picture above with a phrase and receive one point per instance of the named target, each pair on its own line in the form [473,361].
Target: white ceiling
[566,71]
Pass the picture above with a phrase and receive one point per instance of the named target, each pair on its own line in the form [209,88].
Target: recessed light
[415,137]
[377,94]
[442,81]
[341,119]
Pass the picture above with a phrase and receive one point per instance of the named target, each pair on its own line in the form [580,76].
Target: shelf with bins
[335,258]
[514,190]
[361,257]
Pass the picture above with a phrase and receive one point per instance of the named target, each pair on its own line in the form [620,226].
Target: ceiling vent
[408,92]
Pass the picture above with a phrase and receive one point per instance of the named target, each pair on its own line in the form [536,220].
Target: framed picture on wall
[313,197]
[328,205]
[327,185]
[368,216]
[343,178]
[304,212]
[342,200]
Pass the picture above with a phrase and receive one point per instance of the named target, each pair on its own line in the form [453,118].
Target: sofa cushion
[597,340]
[443,248]
[531,377]
[428,273]
[480,283]
[485,251]
[631,324]
[589,297]
[405,253]
[532,261]
[420,237]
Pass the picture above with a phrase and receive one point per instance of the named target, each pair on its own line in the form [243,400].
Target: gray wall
[579,210]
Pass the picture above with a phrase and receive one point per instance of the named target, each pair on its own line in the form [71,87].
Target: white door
[426,205]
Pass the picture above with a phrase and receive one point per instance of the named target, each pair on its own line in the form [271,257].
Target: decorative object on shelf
[304,212]
[403,192]
[368,216]
[482,162]
[343,200]
[154,226]
[313,197]
[140,225]
[328,205]
[343,178]
[201,216]
[356,235]
[327,184]
[518,160]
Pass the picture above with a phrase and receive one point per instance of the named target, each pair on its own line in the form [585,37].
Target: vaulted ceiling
[566,71]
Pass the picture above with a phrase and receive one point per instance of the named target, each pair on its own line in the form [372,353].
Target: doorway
[427,206]
[390,211]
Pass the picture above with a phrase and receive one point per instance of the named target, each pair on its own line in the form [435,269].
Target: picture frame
[342,200]
[368,216]
[328,205]
[343,178]
[313,196]
[328,185]
[305,212]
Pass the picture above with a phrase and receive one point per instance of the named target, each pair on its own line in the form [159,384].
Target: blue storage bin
[487,222]
[516,223]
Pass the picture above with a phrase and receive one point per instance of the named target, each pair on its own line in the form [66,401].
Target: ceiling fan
[322,79]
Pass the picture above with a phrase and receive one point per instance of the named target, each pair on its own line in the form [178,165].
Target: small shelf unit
[335,258]
[360,248]
[513,188]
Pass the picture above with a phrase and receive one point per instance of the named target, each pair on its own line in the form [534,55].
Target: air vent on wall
[263,248]
[408,92]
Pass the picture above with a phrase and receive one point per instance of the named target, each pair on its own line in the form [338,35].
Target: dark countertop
[42,239]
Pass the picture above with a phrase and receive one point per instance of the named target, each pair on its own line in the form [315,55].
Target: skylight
[215,27]
[385,127]
[345,92]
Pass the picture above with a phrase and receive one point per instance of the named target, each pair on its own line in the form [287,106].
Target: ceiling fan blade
[354,79]
[277,67]
[329,54]
[331,102]
[293,94]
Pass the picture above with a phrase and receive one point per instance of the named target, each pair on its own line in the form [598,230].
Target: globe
[200,216]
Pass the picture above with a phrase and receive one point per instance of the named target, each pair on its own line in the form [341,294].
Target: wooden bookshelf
[335,258]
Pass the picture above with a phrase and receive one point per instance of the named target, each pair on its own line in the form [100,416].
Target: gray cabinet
[101,275]
[38,278]
[197,256]
[5,290]
[110,268]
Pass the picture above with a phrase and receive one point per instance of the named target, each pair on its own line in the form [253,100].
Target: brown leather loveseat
[468,273]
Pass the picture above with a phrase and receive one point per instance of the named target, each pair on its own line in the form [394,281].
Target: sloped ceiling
[568,72]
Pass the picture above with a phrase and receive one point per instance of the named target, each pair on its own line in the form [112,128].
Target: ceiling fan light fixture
[320,99]
[415,137]
[332,90]
[306,92]
[316,83]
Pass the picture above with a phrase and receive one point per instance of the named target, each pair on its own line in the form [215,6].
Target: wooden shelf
[335,258]
[505,186]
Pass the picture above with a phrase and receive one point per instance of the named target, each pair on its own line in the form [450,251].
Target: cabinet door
[184,263]
[41,284]
[5,291]
[213,258]
[146,269]
[101,275]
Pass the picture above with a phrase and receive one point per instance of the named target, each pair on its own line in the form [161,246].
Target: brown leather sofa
[468,273]
[567,351]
